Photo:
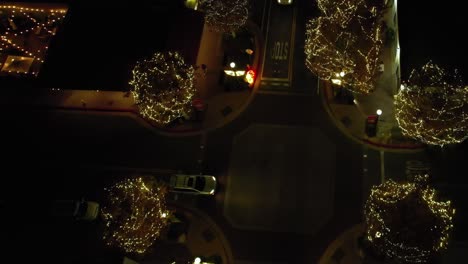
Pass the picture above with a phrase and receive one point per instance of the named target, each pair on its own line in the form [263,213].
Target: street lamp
[379,112]
[232,64]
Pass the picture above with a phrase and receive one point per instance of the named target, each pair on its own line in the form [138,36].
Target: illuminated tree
[134,214]
[345,44]
[226,16]
[163,87]
[340,11]
[433,107]
[405,221]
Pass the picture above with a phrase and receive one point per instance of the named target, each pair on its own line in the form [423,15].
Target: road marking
[382,166]
[318,85]
[263,15]
[281,50]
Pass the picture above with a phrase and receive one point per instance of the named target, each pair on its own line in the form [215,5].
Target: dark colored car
[371,125]
[75,209]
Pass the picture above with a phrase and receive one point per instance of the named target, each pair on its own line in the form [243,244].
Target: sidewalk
[198,236]
[351,118]
[204,237]
[344,249]
[221,106]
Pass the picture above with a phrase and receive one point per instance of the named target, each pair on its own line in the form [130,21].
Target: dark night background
[51,150]
[433,30]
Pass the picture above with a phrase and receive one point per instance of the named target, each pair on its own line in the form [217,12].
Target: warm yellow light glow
[235,73]
[134,214]
[250,77]
[232,64]
[193,4]
[346,43]
[163,87]
[405,221]
[40,21]
[379,112]
[336,81]
[240,73]
[433,107]
[226,16]
[230,73]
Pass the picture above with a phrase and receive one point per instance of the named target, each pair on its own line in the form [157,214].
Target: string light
[13,39]
[163,87]
[340,11]
[405,222]
[135,214]
[345,44]
[226,16]
[433,107]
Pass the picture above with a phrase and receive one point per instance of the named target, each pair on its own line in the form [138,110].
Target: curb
[211,224]
[253,28]
[336,244]
[395,146]
[362,141]
[92,109]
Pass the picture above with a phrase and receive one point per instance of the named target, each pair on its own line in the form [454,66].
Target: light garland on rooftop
[13,38]
[405,222]
[226,16]
[346,43]
[163,87]
[433,107]
[135,214]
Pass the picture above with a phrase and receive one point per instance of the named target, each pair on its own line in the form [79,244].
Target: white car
[193,184]
[285,2]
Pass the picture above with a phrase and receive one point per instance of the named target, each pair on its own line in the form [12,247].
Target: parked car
[75,209]
[371,125]
[193,184]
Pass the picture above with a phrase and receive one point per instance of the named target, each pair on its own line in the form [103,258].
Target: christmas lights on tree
[226,16]
[135,214]
[340,11]
[24,36]
[345,44]
[163,87]
[433,107]
[405,221]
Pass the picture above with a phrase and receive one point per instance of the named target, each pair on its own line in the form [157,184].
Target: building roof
[97,47]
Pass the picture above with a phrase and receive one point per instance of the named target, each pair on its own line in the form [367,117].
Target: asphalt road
[52,155]
[60,154]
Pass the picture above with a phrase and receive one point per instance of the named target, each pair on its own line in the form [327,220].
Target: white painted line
[382,167]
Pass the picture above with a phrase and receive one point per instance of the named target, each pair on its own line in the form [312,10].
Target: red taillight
[250,77]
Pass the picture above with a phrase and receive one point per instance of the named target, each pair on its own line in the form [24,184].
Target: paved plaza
[281,178]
